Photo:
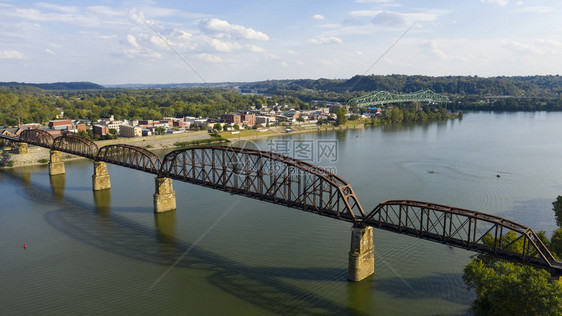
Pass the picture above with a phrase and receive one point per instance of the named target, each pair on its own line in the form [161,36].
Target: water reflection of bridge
[280,179]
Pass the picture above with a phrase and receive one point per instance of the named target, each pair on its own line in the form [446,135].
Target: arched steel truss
[462,228]
[297,184]
[265,176]
[384,97]
[130,156]
[36,137]
[76,145]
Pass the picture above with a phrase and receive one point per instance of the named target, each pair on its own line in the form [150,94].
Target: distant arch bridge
[383,97]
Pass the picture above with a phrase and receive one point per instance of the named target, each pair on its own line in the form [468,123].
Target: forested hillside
[55,86]
[531,86]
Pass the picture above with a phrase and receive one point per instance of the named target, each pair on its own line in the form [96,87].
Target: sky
[177,41]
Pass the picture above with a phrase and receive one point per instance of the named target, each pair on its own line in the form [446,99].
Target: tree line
[30,105]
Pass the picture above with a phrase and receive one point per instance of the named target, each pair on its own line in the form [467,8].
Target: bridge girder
[36,137]
[76,145]
[265,176]
[384,97]
[463,228]
[130,156]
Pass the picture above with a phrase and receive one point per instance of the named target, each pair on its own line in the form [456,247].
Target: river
[107,253]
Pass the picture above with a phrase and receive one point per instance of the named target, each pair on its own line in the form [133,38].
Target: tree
[159,130]
[236,127]
[557,208]
[112,131]
[504,288]
[217,127]
[341,119]
[556,243]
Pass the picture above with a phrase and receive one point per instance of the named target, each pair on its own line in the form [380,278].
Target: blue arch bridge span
[280,179]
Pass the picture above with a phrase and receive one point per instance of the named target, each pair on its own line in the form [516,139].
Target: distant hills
[529,86]
[307,89]
[56,85]
[223,85]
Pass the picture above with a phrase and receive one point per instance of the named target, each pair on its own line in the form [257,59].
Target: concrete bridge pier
[165,197]
[361,254]
[56,166]
[22,148]
[100,179]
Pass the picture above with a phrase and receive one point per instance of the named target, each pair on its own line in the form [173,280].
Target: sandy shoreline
[40,156]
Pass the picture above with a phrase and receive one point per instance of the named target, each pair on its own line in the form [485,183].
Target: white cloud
[396,19]
[318,17]
[255,49]
[221,28]
[521,47]
[132,41]
[501,3]
[133,53]
[323,40]
[389,19]
[104,10]
[105,37]
[209,58]
[432,49]
[11,54]
[137,16]
[50,51]
[536,10]
[55,7]
[223,46]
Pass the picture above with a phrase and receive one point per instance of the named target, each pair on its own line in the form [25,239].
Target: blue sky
[113,42]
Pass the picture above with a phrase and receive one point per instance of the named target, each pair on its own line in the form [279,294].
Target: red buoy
[24,246]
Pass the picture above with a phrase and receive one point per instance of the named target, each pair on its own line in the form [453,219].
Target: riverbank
[40,156]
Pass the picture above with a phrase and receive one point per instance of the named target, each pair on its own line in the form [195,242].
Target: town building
[130,131]
[265,120]
[232,118]
[101,130]
[248,119]
[60,124]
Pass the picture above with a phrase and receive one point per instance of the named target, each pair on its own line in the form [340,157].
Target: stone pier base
[361,254]
[56,166]
[100,179]
[22,148]
[165,197]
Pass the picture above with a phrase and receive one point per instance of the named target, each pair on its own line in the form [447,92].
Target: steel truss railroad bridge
[280,179]
[384,97]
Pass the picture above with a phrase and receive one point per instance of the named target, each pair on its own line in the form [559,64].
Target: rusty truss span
[265,176]
[463,228]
